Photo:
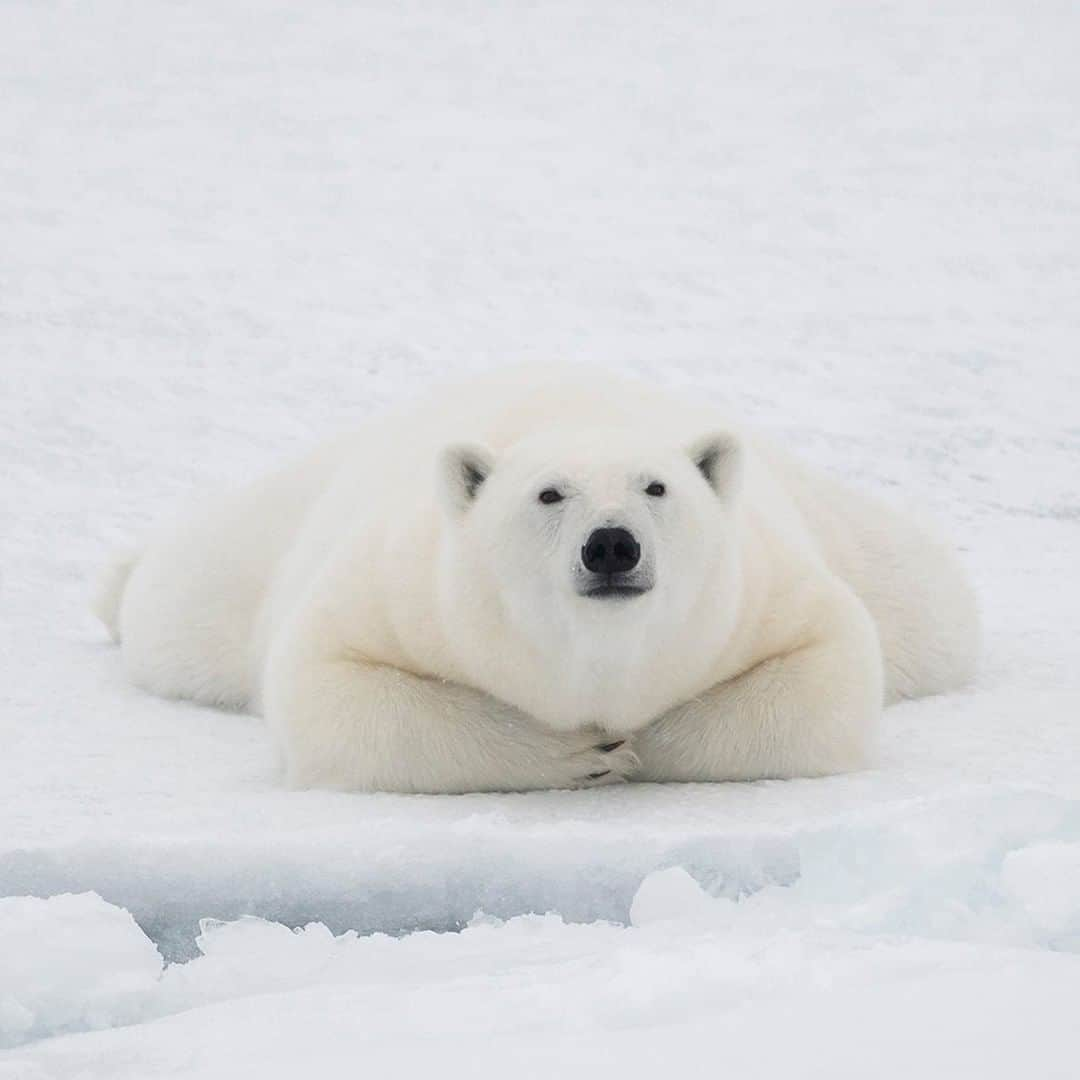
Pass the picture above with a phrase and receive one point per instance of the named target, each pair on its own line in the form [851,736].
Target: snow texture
[227,229]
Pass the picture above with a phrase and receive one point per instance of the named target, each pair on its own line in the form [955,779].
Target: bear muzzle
[611,557]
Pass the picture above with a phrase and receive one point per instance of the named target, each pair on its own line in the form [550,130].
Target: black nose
[611,551]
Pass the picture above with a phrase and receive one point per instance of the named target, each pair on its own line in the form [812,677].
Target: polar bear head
[590,572]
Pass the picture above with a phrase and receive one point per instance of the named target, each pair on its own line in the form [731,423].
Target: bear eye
[550,495]
[655,489]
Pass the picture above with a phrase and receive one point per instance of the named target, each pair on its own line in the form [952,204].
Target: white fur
[405,610]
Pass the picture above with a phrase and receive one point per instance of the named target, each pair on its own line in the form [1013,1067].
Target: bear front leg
[810,711]
[355,726]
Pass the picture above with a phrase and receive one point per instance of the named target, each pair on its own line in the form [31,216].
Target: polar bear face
[584,562]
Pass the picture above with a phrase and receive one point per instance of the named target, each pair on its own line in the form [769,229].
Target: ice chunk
[673,895]
[251,956]
[1044,880]
[69,963]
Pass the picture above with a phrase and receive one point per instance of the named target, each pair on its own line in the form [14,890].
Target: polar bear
[547,579]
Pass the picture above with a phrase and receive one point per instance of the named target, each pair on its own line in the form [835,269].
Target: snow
[695,980]
[229,229]
[70,963]
[1043,880]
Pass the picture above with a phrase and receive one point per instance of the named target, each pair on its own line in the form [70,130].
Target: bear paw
[611,762]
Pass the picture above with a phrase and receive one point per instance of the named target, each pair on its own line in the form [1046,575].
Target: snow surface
[227,229]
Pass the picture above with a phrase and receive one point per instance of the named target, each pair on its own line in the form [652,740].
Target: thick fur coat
[547,579]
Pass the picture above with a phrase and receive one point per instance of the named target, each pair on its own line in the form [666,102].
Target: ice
[1000,869]
[1001,873]
[696,974]
[1044,881]
[672,895]
[70,963]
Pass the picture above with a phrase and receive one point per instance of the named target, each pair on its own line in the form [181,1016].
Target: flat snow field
[229,229]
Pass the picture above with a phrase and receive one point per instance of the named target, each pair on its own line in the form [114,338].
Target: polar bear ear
[718,457]
[463,468]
